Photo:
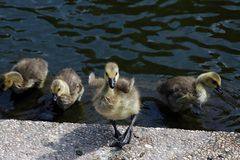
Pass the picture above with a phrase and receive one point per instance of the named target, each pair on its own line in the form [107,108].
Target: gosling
[116,99]
[182,92]
[67,88]
[27,73]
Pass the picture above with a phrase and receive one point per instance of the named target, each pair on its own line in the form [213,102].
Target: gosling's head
[111,74]
[211,80]
[59,88]
[8,79]
[6,82]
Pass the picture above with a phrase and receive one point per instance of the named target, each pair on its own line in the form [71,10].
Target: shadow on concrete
[78,142]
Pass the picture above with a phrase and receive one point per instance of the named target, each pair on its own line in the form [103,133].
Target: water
[150,40]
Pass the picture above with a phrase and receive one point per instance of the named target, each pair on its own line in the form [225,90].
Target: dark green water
[150,40]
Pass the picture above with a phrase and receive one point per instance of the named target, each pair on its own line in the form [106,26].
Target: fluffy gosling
[67,88]
[27,73]
[116,99]
[181,92]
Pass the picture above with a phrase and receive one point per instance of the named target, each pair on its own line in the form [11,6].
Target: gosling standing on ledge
[67,88]
[116,99]
[27,73]
[181,92]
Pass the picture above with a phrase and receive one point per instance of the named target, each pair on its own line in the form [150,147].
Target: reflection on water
[150,40]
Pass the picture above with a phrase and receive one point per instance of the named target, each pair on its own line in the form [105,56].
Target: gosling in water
[116,99]
[182,92]
[67,88]
[27,73]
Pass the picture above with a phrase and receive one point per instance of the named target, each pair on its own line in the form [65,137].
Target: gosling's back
[32,68]
[183,84]
[71,78]
[178,92]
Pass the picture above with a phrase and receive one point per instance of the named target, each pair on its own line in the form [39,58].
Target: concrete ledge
[67,141]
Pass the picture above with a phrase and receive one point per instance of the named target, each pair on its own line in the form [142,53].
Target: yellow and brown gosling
[67,88]
[116,99]
[182,92]
[27,73]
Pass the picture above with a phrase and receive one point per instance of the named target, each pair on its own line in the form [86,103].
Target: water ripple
[150,40]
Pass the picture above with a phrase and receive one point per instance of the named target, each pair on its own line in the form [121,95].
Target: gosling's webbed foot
[123,139]
[116,143]
[120,142]
[126,137]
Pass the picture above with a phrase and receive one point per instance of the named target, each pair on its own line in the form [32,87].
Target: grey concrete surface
[22,140]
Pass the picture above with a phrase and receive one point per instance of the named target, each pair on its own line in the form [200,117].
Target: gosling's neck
[108,90]
[64,87]
[201,88]
[15,77]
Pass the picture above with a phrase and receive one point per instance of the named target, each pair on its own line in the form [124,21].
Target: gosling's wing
[32,68]
[179,89]
[125,85]
[95,82]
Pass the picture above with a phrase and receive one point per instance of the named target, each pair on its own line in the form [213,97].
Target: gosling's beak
[219,90]
[54,97]
[111,82]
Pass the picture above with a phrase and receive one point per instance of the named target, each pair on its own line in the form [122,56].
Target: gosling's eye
[116,73]
[214,82]
[58,89]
